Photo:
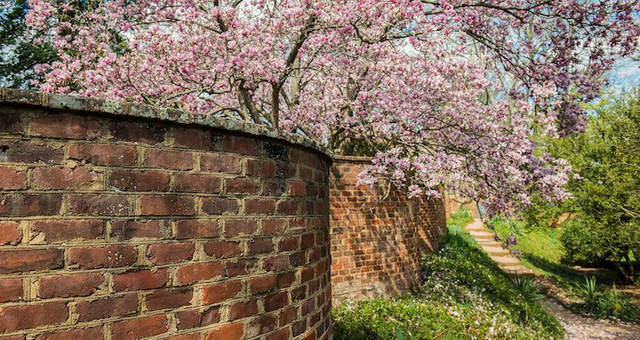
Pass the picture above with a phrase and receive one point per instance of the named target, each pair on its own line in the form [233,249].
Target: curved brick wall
[121,222]
[377,239]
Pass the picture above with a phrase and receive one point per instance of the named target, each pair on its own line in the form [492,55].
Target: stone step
[481,235]
[495,251]
[518,270]
[489,243]
[505,261]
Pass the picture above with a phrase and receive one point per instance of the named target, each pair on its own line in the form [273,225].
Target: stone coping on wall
[125,108]
[352,159]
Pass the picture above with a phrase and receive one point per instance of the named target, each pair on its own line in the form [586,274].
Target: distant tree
[606,197]
[19,54]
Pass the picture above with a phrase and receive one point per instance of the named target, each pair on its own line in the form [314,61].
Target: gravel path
[578,327]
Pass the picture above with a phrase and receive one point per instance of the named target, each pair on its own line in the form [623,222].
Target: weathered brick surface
[377,237]
[113,227]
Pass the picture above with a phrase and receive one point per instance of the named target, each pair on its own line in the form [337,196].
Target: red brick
[263,324]
[58,231]
[80,333]
[10,233]
[139,327]
[193,138]
[104,154]
[222,249]
[288,315]
[262,284]
[11,178]
[129,180]
[261,246]
[11,121]
[233,331]
[13,337]
[259,206]
[273,188]
[285,280]
[10,290]
[170,252]
[289,243]
[219,206]
[240,267]
[287,207]
[261,168]
[192,336]
[241,310]
[202,183]
[297,189]
[138,132]
[103,257]
[271,227]
[30,205]
[168,159]
[241,185]
[220,292]
[30,152]
[65,126]
[27,260]
[188,319]
[276,301]
[127,230]
[63,286]
[99,204]
[164,299]
[13,318]
[275,263]
[195,272]
[221,163]
[140,280]
[281,334]
[167,205]
[307,241]
[233,228]
[190,229]
[194,318]
[107,307]
[64,178]
[241,145]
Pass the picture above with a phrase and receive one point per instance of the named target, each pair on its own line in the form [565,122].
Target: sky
[625,75]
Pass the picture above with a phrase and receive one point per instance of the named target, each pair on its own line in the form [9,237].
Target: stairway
[506,262]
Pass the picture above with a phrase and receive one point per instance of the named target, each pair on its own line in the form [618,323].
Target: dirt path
[577,327]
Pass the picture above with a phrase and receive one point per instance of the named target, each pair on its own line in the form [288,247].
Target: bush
[606,203]
[464,295]
[589,242]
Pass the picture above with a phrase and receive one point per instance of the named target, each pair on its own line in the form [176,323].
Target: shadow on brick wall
[378,236]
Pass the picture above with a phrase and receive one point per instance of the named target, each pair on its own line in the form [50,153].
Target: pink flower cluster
[447,92]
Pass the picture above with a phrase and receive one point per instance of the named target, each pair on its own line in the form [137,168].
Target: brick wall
[454,202]
[119,222]
[377,236]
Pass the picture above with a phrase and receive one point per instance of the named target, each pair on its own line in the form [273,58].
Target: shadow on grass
[568,275]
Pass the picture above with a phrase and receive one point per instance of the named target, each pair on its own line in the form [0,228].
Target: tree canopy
[441,92]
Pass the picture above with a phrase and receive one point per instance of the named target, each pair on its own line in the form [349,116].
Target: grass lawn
[464,296]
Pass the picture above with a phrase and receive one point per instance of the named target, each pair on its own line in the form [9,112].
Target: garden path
[577,326]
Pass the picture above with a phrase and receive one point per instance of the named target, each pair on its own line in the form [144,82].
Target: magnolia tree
[443,93]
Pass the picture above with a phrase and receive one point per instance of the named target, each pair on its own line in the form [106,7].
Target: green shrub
[606,195]
[604,303]
[464,295]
